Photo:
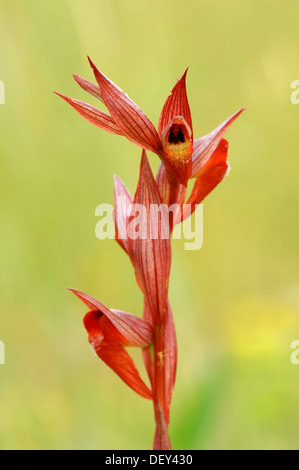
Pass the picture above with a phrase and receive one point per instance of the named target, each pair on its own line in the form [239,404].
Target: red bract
[109,331]
[143,226]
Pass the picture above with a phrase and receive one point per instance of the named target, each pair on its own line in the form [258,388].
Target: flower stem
[161,390]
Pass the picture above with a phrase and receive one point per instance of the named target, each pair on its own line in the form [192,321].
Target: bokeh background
[235,301]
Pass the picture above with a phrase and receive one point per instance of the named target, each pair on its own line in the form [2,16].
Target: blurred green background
[235,301]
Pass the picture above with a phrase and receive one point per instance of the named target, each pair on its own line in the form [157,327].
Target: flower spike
[143,227]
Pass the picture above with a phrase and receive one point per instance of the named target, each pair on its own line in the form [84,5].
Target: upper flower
[173,142]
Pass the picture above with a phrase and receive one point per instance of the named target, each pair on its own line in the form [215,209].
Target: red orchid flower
[109,331]
[205,159]
[173,142]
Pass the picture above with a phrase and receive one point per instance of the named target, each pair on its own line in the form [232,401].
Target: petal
[171,191]
[93,115]
[133,123]
[133,330]
[210,176]
[176,105]
[177,144]
[164,183]
[122,202]
[148,352]
[89,87]
[204,147]
[171,358]
[150,252]
[114,355]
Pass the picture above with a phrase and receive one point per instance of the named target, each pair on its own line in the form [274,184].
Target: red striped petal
[176,105]
[91,88]
[113,353]
[133,123]
[133,330]
[93,115]
[171,191]
[116,357]
[122,202]
[211,174]
[150,253]
[204,147]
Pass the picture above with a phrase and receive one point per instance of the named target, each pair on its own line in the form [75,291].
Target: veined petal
[204,147]
[116,357]
[122,202]
[211,174]
[114,354]
[172,193]
[93,115]
[90,87]
[171,360]
[147,353]
[150,250]
[133,123]
[176,105]
[133,331]
[164,183]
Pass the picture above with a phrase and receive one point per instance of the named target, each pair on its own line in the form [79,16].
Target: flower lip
[178,148]
[177,132]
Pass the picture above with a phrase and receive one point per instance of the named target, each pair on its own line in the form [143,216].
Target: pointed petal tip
[71,289]
[116,178]
[183,77]
[241,110]
[185,73]
[64,97]
[77,78]
[91,63]
[118,181]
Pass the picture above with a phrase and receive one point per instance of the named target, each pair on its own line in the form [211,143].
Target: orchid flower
[111,331]
[172,142]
